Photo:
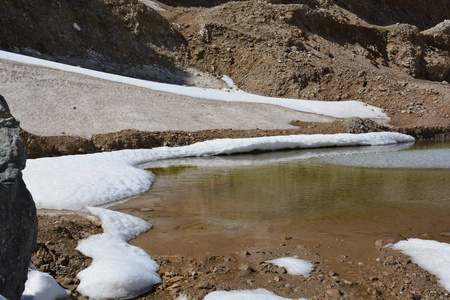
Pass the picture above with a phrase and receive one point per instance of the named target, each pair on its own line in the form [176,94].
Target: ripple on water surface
[428,158]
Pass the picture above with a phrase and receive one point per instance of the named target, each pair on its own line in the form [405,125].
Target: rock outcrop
[18,220]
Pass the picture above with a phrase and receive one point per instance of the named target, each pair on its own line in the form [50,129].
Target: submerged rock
[18,220]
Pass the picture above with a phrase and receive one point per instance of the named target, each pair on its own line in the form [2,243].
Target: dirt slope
[392,53]
[324,52]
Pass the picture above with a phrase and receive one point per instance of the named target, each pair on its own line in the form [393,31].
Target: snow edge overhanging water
[75,181]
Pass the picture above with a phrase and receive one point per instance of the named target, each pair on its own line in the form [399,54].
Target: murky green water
[297,194]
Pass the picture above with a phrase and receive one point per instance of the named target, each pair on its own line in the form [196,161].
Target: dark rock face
[18,220]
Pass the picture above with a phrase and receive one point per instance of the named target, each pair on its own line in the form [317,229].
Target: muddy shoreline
[383,274]
[47,146]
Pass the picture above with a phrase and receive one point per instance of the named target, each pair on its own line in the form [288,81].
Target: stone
[18,219]
[204,285]
[333,292]
[380,244]
[358,125]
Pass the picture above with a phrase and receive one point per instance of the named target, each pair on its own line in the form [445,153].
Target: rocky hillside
[391,53]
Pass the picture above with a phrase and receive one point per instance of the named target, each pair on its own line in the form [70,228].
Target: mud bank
[382,274]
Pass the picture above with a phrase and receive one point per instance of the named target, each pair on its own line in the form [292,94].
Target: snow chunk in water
[294,266]
[258,294]
[431,256]
[75,181]
[42,286]
[118,270]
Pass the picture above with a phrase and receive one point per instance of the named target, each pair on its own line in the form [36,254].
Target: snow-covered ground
[341,109]
[75,181]
[430,255]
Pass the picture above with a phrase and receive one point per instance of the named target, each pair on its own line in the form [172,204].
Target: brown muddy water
[219,205]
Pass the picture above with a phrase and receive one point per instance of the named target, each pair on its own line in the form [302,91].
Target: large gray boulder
[18,220]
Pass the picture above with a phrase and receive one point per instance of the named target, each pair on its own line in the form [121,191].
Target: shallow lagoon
[215,204]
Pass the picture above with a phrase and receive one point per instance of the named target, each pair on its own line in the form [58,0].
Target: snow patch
[75,181]
[432,256]
[127,227]
[341,109]
[42,286]
[76,26]
[119,270]
[230,82]
[258,294]
[293,266]
[152,4]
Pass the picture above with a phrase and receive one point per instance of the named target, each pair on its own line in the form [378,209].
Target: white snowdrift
[342,109]
[258,294]
[42,286]
[75,181]
[431,256]
[245,160]
[293,266]
[119,270]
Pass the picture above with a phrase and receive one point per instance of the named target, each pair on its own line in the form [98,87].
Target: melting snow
[118,270]
[341,109]
[258,294]
[431,256]
[41,286]
[294,266]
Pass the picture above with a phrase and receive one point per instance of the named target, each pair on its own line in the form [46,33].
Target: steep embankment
[324,51]
[115,36]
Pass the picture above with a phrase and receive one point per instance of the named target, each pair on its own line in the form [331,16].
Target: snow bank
[75,181]
[245,160]
[341,109]
[119,270]
[294,266]
[431,256]
[41,286]
[258,294]
[125,226]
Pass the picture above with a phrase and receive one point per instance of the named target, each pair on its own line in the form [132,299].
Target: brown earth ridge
[48,146]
